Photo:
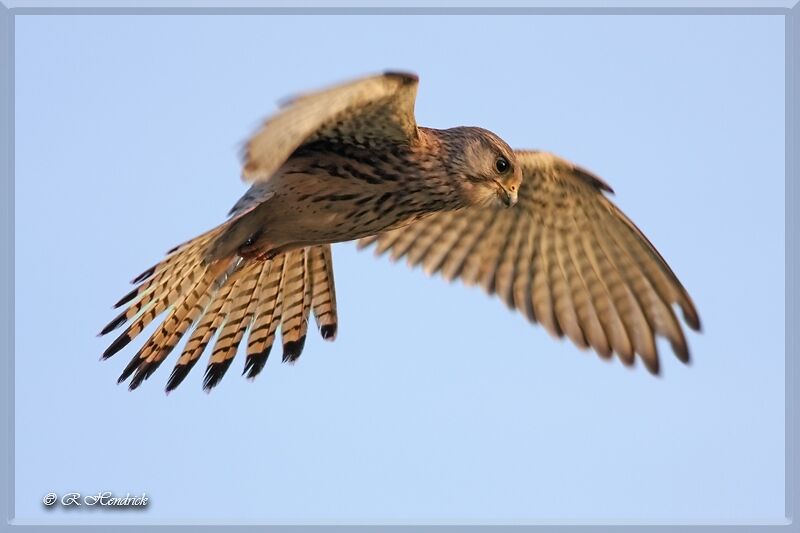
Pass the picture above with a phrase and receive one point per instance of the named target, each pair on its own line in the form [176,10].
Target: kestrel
[350,162]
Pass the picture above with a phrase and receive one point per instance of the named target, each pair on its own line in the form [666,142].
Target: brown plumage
[350,163]
[334,165]
[565,256]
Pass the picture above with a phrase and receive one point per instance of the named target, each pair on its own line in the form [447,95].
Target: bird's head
[487,167]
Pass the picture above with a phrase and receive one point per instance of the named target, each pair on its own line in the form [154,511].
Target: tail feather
[152,303]
[323,294]
[146,361]
[296,305]
[188,255]
[154,295]
[242,307]
[268,316]
[228,296]
[206,327]
[171,330]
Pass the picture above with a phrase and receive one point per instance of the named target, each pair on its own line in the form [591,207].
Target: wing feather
[594,330]
[454,263]
[496,248]
[452,229]
[599,281]
[542,296]
[565,256]
[505,273]
[374,109]
[564,301]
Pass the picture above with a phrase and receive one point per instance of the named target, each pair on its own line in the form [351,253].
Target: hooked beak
[509,199]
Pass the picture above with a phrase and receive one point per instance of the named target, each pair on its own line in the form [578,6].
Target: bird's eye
[502,165]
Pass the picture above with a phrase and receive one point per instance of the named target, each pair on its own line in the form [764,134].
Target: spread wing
[373,109]
[565,256]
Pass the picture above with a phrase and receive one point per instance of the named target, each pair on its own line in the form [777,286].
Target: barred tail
[224,298]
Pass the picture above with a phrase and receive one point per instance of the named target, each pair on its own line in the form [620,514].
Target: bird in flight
[349,162]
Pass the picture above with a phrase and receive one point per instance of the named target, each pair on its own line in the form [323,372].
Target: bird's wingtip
[404,76]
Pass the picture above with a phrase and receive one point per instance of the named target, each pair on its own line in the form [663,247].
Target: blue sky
[435,404]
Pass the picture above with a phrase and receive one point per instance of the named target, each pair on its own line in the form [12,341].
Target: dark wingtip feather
[117,345]
[293,349]
[653,366]
[592,179]
[604,352]
[114,324]
[405,77]
[692,318]
[681,351]
[214,373]
[328,332]
[144,275]
[127,298]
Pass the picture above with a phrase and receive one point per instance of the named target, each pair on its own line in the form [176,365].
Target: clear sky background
[435,404]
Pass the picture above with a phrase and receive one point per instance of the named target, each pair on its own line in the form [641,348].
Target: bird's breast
[332,198]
